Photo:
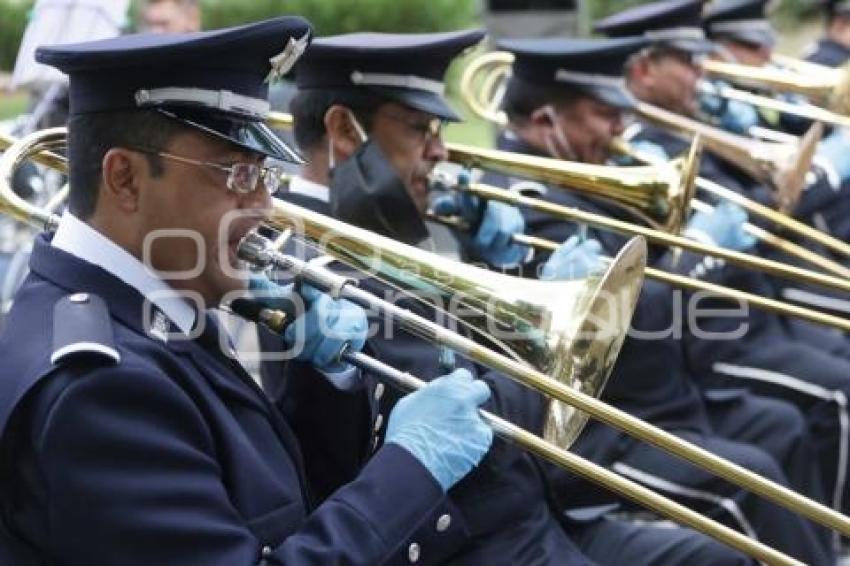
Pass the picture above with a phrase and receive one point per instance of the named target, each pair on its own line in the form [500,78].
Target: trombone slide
[533,444]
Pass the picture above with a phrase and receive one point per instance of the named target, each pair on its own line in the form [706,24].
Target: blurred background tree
[340,16]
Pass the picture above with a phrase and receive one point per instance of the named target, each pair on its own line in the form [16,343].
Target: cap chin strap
[411,82]
[223,100]
[673,34]
[742,25]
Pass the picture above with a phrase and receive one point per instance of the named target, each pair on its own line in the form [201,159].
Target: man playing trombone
[130,434]
[768,357]
[564,100]
[368,116]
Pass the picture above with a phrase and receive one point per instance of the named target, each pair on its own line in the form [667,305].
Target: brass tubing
[658,237]
[751,206]
[289,216]
[47,158]
[783,245]
[691,284]
[665,507]
[318,227]
[591,471]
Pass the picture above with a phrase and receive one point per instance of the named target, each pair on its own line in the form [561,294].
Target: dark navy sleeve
[335,439]
[135,482]
[818,194]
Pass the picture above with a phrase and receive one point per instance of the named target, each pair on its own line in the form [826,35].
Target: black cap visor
[428,102]
[698,46]
[250,135]
[615,96]
[755,38]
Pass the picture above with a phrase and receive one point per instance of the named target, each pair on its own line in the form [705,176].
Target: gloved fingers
[353,325]
[460,375]
[445,205]
[651,149]
[746,240]
[309,293]
[269,292]
[565,248]
[732,211]
[591,247]
[478,392]
[488,230]
[470,206]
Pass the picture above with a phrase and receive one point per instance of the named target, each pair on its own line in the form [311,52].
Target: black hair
[309,107]
[522,98]
[90,136]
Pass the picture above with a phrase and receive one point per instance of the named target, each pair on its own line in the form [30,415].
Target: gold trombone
[482,86]
[660,195]
[490,70]
[394,262]
[816,82]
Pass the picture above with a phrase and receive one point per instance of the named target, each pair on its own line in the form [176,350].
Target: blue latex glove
[652,151]
[324,327]
[573,259]
[731,115]
[724,227]
[834,151]
[498,223]
[441,427]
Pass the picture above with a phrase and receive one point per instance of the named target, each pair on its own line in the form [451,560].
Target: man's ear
[543,117]
[120,180]
[341,131]
[640,71]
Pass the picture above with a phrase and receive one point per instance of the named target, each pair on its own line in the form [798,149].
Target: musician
[368,117]
[169,16]
[833,49]
[768,358]
[564,100]
[129,434]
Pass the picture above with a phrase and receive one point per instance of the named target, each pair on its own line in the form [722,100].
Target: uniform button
[378,422]
[444,522]
[266,552]
[79,298]
[379,391]
[413,552]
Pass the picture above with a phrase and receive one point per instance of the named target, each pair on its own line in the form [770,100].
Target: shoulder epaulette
[82,327]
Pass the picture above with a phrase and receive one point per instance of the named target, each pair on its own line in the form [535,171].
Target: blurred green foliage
[13,21]
[328,16]
[331,17]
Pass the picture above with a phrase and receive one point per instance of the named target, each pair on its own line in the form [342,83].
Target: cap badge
[284,61]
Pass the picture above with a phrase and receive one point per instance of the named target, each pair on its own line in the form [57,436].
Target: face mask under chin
[366,191]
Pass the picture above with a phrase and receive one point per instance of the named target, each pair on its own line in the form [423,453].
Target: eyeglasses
[242,178]
[429,129]
[685,57]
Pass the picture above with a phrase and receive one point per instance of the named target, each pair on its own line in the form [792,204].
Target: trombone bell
[569,330]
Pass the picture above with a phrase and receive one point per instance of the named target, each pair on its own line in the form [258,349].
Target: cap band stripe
[567,76]
[673,34]
[742,25]
[404,81]
[223,100]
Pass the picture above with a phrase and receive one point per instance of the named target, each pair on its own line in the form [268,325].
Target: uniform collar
[301,186]
[77,238]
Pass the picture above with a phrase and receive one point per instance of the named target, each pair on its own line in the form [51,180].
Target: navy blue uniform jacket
[171,455]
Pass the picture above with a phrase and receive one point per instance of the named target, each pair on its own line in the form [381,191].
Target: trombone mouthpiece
[256,250]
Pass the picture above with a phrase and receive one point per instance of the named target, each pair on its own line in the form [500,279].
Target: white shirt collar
[302,186]
[81,240]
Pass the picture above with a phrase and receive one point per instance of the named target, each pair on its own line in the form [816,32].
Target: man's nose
[617,126]
[435,149]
